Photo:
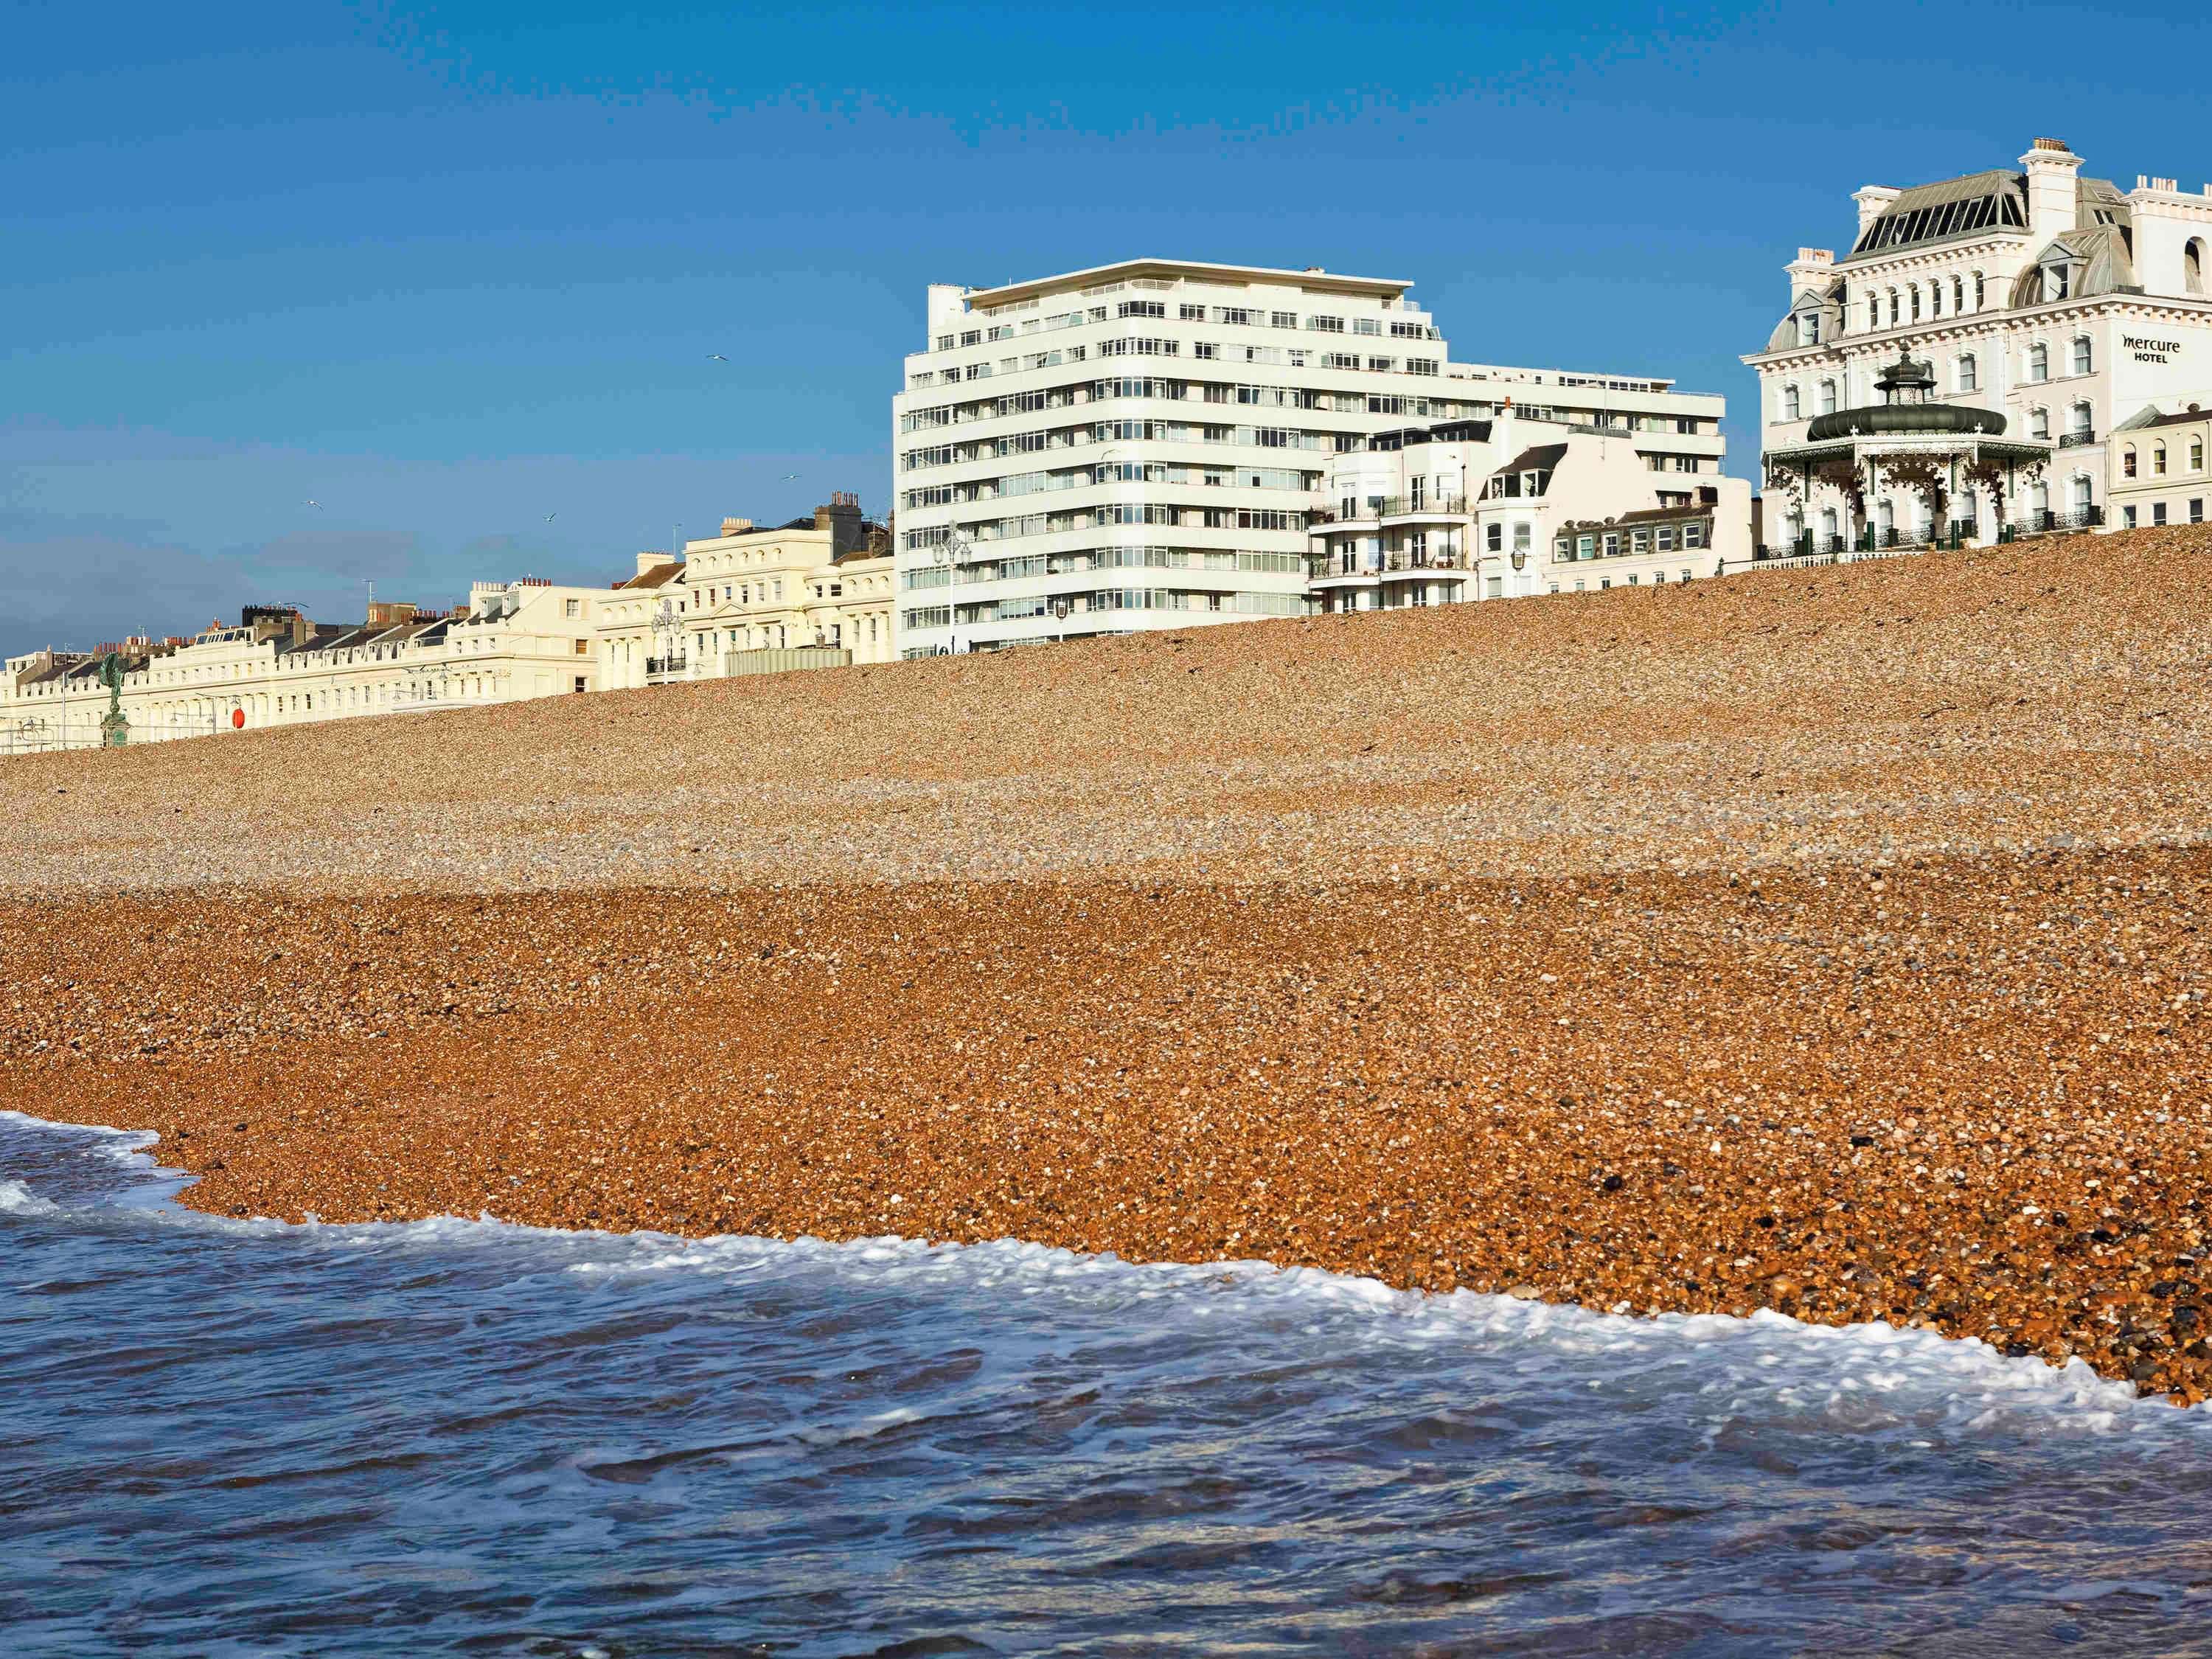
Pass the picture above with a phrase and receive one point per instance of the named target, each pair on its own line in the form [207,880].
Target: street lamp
[947,555]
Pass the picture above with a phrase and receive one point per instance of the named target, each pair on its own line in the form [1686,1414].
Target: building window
[1809,328]
[2084,360]
[2158,460]
[2193,266]
[1496,537]
[2038,422]
[1969,373]
[1977,290]
[1914,292]
[1790,403]
[2128,462]
[1958,294]
[2128,516]
[1873,311]
[2196,454]
[1892,309]
[2196,509]
[1827,397]
[2080,421]
[1936,298]
[2038,361]
[2158,513]
[2084,494]
[580,682]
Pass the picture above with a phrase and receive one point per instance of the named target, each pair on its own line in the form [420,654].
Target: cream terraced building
[1145,444]
[2066,304]
[513,641]
[751,597]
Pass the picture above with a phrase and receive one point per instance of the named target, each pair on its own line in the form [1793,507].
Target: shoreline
[1722,1099]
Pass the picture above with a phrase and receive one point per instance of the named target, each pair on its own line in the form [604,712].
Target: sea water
[230,1437]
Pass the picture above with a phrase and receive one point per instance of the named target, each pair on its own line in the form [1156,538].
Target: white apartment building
[1145,444]
[2065,304]
[1507,508]
[512,641]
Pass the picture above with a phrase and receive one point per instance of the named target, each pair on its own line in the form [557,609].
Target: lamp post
[947,555]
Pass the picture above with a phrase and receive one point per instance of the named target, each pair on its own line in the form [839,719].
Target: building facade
[1144,445]
[1508,506]
[820,585]
[2064,304]
[2158,473]
[512,641]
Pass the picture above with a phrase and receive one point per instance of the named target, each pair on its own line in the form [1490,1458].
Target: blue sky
[447,269]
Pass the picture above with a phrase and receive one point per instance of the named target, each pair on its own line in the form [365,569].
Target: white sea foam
[16,1198]
[1850,1377]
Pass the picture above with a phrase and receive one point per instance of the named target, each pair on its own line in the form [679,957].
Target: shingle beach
[1827,941]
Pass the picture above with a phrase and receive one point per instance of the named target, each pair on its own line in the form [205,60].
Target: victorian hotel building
[1148,444]
[2043,319]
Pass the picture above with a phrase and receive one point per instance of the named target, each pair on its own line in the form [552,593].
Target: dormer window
[1809,328]
[2055,283]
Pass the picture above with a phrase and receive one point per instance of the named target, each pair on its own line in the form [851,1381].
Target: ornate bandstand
[1855,464]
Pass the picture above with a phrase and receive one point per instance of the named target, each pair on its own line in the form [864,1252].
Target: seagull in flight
[716,357]
[549,517]
[314,503]
[788,477]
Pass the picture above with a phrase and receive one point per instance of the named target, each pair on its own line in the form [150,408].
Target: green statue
[114,727]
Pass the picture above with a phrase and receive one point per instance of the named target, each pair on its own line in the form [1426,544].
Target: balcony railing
[1371,564]
[2075,439]
[1391,507]
[2081,518]
[663,667]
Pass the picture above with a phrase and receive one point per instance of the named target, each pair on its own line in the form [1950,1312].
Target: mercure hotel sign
[2151,351]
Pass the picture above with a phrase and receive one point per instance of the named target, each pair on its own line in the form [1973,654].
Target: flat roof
[1314,281]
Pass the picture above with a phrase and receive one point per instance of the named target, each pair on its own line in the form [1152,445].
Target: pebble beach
[1823,941]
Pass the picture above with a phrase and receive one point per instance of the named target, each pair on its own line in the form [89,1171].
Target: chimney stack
[2051,190]
[1874,201]
[841,518]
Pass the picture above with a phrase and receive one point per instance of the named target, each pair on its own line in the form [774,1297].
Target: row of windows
[1642,538]
[1966,375]
[2128,461]
[1086,517]
[1228,316]
[2130,519]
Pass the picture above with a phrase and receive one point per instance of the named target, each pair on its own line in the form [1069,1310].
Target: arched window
[1958,294]
[2038,361]
[1977,290]
[1892,309]
[1915,291]
[2158,460]
[1827,397]
[2078,421]
[2082,491]
[1936,298]
[1969,373]
[1791,404]
[1873,311]
[2196,454]
[2084,360]
[2193,266]
[2128,462]
[2038,422]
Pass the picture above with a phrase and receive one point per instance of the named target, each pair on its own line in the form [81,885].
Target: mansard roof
[1975,204]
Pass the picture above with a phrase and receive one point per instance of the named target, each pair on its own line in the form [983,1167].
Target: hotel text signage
[2151,351]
